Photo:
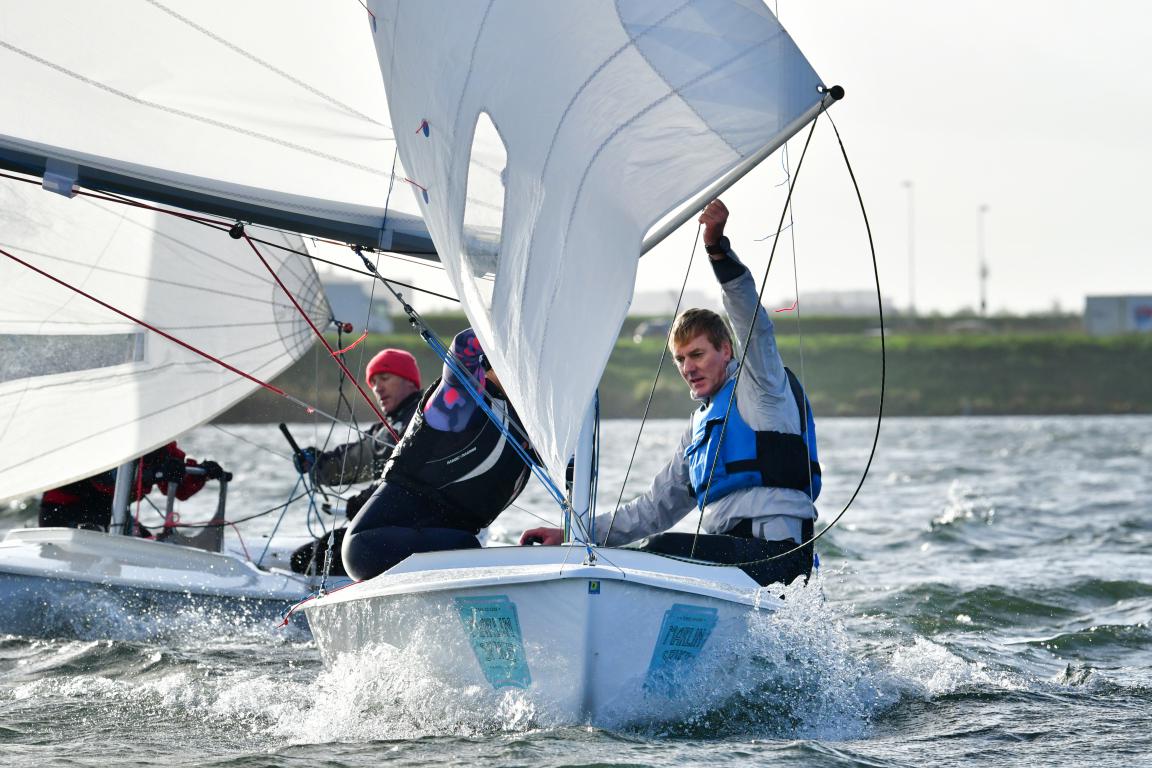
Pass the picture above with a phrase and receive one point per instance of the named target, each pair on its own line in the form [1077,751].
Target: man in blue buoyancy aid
[763,484]
[451,475]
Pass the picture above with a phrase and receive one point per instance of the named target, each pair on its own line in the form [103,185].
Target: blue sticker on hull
[493,630]
[683,634]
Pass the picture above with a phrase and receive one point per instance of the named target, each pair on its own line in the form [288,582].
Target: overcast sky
[1036,109]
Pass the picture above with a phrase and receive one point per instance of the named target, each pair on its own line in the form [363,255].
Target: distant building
[350,304]
[1107,315]
[661,303]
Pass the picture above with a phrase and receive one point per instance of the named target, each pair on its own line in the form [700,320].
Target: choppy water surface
[986,600]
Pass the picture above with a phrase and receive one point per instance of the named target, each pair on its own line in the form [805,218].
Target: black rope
[751,328]
[883,370]
[655,381]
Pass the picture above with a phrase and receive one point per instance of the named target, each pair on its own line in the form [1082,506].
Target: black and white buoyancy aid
[467,477]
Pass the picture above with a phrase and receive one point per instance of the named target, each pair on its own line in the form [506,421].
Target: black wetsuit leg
[384,532]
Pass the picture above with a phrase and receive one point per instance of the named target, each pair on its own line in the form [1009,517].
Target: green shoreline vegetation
[935,367]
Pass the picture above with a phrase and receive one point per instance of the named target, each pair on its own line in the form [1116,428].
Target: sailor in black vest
[394,377]
[754,478]
[451,475]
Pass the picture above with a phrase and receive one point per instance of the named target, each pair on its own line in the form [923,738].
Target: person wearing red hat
[394,377]
[453,473]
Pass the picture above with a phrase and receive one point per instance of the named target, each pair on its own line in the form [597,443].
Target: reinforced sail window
[26,356]
[484,201]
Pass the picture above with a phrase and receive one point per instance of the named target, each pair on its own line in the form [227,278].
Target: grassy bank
[929,373]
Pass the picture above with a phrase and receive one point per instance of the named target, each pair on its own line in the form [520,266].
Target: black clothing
[740,546]
[438,490]
[353,462]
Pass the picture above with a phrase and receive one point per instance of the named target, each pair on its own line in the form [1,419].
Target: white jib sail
[81,388]
[264,111]
[557,135]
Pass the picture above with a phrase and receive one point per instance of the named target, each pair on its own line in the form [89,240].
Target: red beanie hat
[394,361]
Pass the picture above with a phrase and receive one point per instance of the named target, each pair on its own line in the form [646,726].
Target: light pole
[981,212]
[911,251]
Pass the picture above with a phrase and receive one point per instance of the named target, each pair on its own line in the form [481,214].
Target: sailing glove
[213,470]
[304,460]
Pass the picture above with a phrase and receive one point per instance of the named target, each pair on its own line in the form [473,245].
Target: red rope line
[240,538]
[310,598]
[352,346]
[365,6]
[150,327]
[112,198]
[222,225]
[324,341]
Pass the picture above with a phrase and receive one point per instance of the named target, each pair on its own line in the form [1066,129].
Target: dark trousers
[758,558]
[385,531]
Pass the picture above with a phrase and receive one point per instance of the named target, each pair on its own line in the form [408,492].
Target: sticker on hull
[683,634]
[493,629]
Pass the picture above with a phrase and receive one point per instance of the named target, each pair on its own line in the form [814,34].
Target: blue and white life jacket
[750,458]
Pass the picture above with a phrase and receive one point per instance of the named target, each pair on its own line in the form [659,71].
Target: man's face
[701,364]
[391,390]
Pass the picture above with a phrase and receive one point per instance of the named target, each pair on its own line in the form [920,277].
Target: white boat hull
[68,581]
[632,637]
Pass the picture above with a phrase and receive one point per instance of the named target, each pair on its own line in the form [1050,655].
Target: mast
[583,472]
[120,497]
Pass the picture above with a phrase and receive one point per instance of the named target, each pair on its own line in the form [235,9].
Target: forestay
[81,388]
[550,137]
[264,111]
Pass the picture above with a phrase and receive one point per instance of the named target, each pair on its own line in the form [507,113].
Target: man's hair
[693,322]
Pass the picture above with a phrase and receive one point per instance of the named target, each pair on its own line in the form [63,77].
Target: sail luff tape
[60,177]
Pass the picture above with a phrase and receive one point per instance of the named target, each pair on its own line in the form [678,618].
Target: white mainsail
[263,111]
[577,127]
[543,139]
[83,389]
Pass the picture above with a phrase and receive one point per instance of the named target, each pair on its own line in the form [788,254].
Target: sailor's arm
[664,504]
[762,358]
[350,463]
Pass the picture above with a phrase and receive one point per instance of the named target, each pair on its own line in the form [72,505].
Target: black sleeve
[727,268]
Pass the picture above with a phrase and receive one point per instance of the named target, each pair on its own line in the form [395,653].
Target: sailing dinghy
[543,147]
[84,390]
[552,138]
[230,109]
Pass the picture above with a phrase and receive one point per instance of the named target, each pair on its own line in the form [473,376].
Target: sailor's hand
[304,460]
[213,470]
[714,217]
[549,537]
